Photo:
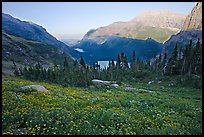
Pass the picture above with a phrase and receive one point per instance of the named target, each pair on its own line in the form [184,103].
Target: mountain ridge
[31,31]
[140,28]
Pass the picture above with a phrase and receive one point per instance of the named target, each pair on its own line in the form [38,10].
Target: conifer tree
[125,62]
[133,59]
[197,58]
[113,64]
[118,62]
[65,64]
[82,62]
[172,68]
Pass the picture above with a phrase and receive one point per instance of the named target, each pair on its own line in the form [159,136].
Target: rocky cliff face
[191,30]
[194,20]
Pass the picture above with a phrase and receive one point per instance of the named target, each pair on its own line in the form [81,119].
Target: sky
[71,20]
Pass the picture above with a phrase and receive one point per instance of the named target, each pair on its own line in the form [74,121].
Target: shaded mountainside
[31,31]
[182,39]
[191,30]
[27,52]
[158,25]
[107,48]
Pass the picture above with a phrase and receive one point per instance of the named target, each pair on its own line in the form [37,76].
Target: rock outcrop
[35,87]
[98,82]
[194,20]
[114,85]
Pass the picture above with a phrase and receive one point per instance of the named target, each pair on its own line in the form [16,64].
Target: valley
[137,77]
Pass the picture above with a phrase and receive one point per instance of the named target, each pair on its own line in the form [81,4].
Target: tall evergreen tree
[172,68]
[82,62]
[65,64]
[133,59]
[113,64]
[196,59]
[125,62]
[118,62]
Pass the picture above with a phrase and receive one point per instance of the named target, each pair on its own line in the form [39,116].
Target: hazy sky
[67,20]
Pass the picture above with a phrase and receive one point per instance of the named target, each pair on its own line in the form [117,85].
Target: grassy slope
[104,110]
[139,31]
[159,34]
[20,49]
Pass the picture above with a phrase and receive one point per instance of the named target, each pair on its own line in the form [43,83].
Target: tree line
[185,62]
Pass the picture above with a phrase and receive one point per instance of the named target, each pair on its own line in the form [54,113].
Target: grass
[171,110]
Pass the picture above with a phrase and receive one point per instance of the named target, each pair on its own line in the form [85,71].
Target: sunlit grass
[99,110]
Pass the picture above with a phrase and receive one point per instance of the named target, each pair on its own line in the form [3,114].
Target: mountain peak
[161,18]
[160,12]
[147,24]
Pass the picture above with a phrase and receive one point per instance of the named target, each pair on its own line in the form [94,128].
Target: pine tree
[20,71]
[138,64]
[82,62]
[160,60]
[180,60]
[113,64]
[118,62]
[122,60]
[197,59]
[133,59]
[164,64]
[109,65]
[186,67]
[172,68]
[125,62]
[65,64]
[25,72]
[16,72]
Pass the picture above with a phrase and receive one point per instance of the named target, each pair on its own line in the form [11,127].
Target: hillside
[50,88]
[166,110]
[31,31]
[158,25]
[27,52]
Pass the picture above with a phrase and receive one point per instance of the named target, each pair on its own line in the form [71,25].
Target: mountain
[27,52]
[158,25]
[107,48]
[31,31]
[194,20]
[70,42]
[161,19]
[191,30]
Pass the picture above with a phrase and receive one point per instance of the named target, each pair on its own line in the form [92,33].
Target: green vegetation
[185,64]
[143,32]
[171,105]
[172,110]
